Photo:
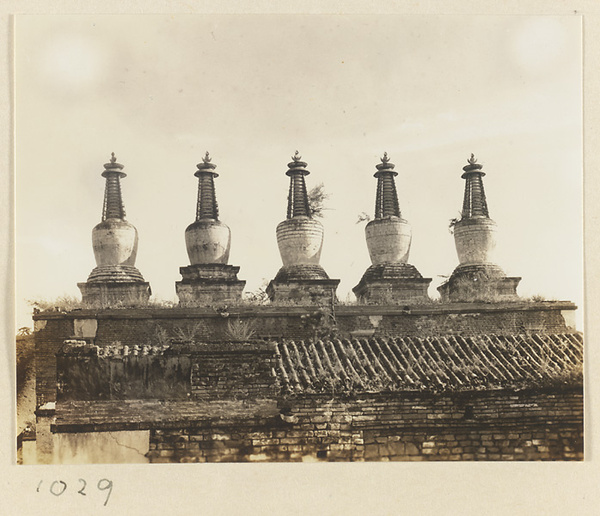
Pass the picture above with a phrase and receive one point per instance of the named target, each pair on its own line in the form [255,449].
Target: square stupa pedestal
[302,284]
[479,282]
[392,283]
[116,286]
[114,295]
[209,284]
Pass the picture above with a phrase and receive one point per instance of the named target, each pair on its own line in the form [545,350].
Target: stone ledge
[428,308]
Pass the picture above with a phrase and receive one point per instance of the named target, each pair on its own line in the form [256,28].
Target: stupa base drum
[479,282]
[114,294]
[209,284]
[392,283]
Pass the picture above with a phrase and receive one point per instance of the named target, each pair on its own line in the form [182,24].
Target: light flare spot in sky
[72,61]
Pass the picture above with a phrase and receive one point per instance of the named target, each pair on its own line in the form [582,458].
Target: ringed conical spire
[298,205]
[386,203]
[113,207]
[206,207]
[474,203]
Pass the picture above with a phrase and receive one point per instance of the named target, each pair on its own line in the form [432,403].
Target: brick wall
[49,338]
[234,371]
[399,427]
[144,326]
[121,378]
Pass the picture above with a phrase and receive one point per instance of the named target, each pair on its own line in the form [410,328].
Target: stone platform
[300,284]
[392,283]
[114,295]
[209,284]
[111,286]
[479,282]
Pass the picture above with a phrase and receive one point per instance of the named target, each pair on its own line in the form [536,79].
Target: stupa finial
[385,158]
[472,160]
[206,158]
[113,158]
[296,157]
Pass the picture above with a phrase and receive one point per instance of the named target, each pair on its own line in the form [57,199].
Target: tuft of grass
[161,336]
[64,303]
[188,333]
[161,303]
[238,330]
[258,296]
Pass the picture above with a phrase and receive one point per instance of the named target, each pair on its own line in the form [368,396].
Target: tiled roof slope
[450,363]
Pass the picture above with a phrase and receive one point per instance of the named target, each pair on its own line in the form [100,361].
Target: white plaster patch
[118,447]
[375,320]
[85,328]
[569,317]
[39,325]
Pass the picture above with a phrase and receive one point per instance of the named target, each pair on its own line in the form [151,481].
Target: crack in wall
[114,438]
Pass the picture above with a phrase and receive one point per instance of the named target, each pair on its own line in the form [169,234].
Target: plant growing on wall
[258,296]
[188,333]
[239,331]
[161,336]
[60,304]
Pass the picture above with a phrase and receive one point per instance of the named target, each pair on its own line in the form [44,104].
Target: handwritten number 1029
[58,487]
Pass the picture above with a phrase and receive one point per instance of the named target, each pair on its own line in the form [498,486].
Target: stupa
[115,281]
[300,240]
[477,277]
[209,279]
[390,278]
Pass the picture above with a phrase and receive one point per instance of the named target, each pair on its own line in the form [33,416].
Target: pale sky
[159,91]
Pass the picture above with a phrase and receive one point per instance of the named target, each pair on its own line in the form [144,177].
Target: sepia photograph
[298,238]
